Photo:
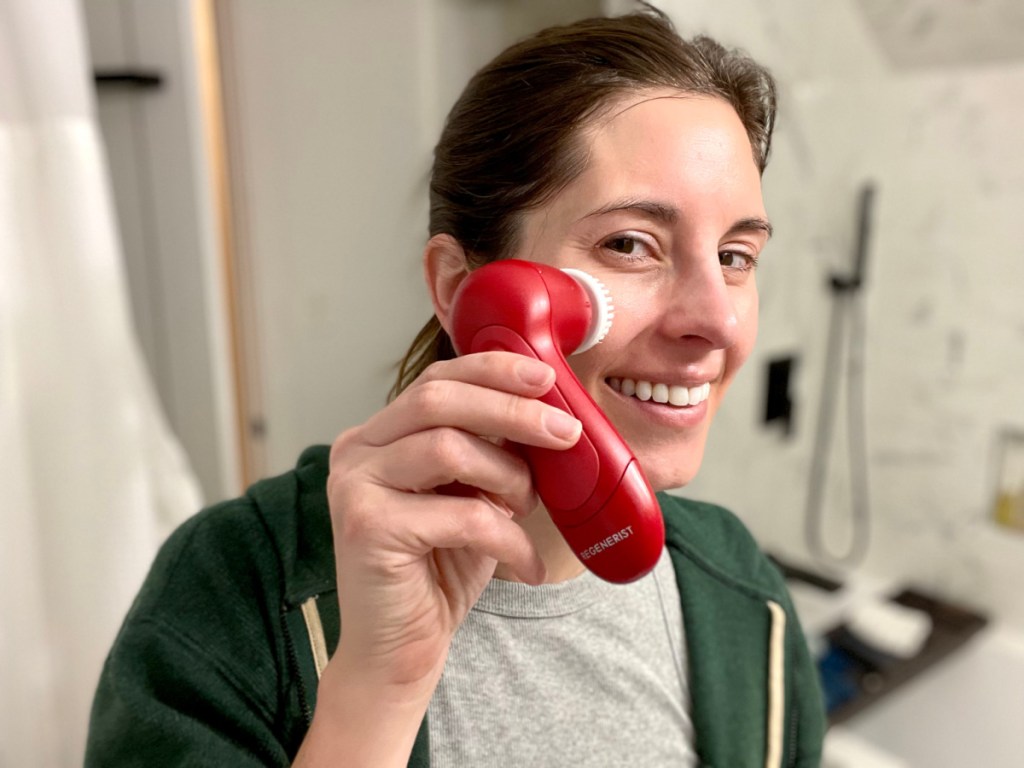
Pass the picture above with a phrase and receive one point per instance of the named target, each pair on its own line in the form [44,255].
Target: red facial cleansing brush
[595,491]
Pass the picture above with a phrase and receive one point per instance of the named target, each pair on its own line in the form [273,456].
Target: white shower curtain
[90,477]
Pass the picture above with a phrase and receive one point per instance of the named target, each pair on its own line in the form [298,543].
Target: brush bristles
[602,308]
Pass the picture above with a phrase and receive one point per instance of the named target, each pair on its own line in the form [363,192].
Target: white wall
[945,323]
[335,108]
[328,107]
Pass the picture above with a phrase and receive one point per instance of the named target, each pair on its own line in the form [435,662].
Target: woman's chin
[671,463]
[665,478]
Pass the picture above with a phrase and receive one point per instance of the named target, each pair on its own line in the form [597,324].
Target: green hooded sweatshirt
[216,663]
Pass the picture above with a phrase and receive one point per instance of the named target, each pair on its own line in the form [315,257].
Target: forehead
[666,144]
[676,125]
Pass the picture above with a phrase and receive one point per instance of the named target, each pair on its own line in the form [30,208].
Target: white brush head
[602,308]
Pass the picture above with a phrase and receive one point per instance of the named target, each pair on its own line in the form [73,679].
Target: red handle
[595,491]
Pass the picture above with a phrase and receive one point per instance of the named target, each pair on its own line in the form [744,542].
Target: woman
[349,613]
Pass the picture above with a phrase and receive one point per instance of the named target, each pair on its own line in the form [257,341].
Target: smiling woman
[683,279]
[366,608]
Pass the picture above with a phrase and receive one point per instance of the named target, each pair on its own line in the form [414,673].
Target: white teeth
[661,393]
[679,396]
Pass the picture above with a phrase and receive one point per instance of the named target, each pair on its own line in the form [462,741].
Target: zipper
[293,658]
[794,727]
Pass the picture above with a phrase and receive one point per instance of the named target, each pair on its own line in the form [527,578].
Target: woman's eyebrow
[662,212]
[669,214]
[751,224]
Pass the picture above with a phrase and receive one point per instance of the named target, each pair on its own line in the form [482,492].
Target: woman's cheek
[636,305]
[747,317]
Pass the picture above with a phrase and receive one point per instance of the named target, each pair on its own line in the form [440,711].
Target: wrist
[360,720]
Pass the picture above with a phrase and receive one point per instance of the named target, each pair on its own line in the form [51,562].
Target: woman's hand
[412,561]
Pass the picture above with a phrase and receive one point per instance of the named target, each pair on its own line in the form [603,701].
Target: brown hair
[510,141]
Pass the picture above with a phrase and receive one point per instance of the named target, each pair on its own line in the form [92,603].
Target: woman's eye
[737,260]
[626,246]
[622,244]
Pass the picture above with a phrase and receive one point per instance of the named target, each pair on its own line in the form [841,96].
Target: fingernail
[533,372]
[561,424]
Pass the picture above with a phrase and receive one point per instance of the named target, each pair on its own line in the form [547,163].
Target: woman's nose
[702,306]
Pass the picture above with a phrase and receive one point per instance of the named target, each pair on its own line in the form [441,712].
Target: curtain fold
[91,478]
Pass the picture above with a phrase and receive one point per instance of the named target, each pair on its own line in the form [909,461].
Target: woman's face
[669,216]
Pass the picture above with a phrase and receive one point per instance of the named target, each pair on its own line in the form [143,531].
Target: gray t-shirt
[580,673]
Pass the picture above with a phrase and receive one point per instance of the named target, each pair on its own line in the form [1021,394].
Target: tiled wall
[944,304]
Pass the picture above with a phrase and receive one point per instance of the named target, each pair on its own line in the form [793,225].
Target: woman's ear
[444,267]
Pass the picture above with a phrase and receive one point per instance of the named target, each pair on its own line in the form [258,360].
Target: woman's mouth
[658,392]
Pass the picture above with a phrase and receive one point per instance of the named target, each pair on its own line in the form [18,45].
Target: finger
[444,459]
[444,455]
[475,409]
[449,522]
[400,527]
[505,371]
